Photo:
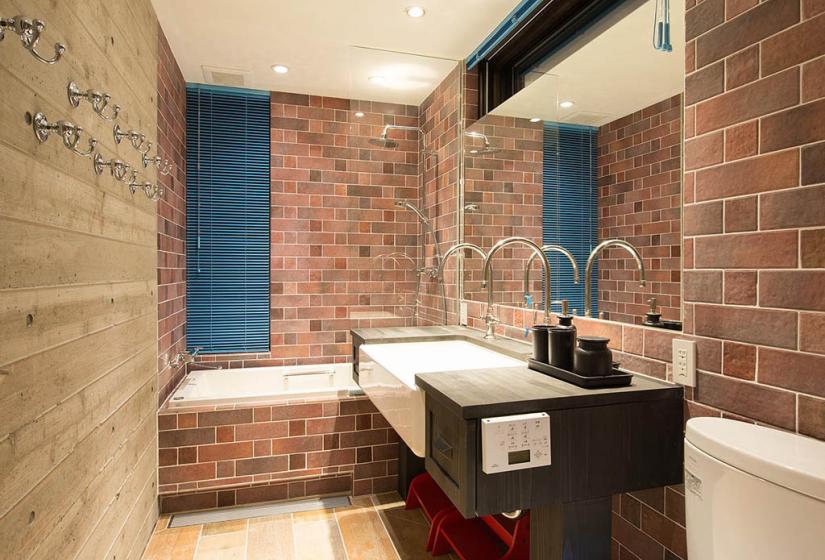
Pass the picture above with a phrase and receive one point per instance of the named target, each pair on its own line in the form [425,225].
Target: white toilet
[753,493]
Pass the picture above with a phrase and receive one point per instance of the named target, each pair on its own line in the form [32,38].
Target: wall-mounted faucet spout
[488,277]
[588,303]
[546,249]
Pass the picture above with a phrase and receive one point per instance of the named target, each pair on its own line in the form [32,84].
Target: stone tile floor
[373,528]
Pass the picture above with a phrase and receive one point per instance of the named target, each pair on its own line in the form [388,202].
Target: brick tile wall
[507,187]
[171,145]
[252,453]
[439,119]
[640,201]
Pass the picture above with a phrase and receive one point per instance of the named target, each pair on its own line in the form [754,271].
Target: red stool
[425,493]
[491,537]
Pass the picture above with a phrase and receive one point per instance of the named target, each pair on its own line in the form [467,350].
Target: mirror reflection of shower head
[486,148]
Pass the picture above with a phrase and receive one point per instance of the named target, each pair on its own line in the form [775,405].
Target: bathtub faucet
[186,357]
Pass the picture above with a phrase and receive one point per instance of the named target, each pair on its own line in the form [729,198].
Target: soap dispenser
[653,318]
[562,340]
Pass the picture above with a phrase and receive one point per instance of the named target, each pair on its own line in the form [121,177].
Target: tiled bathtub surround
[640,201]
[225,456]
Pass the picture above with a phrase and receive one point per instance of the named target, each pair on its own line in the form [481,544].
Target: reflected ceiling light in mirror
[378,80]
[280,69]
[415,11]
[404,77]
[566,104]
[359,114]
[535,119]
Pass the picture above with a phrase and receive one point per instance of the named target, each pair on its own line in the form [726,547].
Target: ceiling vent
[588,118]
[225,76]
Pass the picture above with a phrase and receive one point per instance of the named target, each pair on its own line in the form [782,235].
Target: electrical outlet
[684,362]
[462,312]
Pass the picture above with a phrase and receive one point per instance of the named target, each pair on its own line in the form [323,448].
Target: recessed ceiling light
[535,119]
[280,69]
[379,80]
[359,114]
[566,104]
[415,11]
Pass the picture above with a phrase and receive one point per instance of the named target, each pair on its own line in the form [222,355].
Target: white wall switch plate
[462,312]
[684,362]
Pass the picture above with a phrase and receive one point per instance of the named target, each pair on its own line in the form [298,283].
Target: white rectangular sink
[387,375]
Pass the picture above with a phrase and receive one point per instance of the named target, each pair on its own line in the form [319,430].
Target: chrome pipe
[640,265]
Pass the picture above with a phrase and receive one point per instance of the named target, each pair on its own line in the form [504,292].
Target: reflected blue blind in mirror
[227,219]
[570,215]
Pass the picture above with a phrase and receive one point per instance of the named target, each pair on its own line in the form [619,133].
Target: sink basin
[387,375]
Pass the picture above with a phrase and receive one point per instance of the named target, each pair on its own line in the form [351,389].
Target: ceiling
[331,47]
[608,73]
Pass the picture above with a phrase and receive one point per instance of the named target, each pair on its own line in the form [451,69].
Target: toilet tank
[753,493]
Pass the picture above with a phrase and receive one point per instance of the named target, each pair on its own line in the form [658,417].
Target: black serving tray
[619,377]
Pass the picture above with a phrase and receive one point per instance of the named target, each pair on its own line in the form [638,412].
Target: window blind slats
[570,207]
[227,219]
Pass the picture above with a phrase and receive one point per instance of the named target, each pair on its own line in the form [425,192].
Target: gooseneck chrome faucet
[455,248]
[488,276]
[550,248]
[588,303]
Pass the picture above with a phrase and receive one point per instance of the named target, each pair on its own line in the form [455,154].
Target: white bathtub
[263,384]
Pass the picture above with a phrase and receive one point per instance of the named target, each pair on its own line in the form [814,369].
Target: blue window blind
[570,216]
[227,219]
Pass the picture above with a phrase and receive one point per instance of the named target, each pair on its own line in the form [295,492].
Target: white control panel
[510,443]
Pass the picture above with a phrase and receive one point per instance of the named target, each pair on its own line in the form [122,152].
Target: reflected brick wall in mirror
[640,201]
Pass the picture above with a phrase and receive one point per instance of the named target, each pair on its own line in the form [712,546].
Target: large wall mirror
[589,150]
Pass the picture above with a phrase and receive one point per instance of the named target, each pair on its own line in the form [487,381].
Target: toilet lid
[788,460]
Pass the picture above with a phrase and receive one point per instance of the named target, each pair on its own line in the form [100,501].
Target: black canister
[563,343]
[540,343]
[593,358]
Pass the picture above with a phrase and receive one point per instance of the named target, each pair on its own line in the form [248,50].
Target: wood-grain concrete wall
[78,293]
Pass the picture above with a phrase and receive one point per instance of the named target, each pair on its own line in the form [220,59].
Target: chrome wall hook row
[153,192]
[29,31]
[68,131]
[98,99]
[163,165]
[118,168]
[137,139]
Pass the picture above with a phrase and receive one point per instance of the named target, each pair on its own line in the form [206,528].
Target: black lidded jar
[563,343]
[540,343]
[593,358]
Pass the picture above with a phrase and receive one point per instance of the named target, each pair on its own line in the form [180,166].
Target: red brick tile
[262,414]
[225,434]
[180,438]
[675,505]
[795,208]
[747,250]
[740,287]
[329,485]
[796,371]
[331,424]
[812,332]
[224,417]
[812,248]
[665,531]
[792,289]
[735,7]
[813,162]
[705,83]
[297,427]
[224,451]
[297,444]
[226,498]
[187,420]
[360,439]
[266,493]
[813,80]
[811,8]
[330,458]
[703,219]
[188,502]
[639,543]
[167,421]
[799,125]
[746,29]
[261,465]
[812,417]
[793,46]
[187,455]
[226,469]
[360,406]
[261,430]
[704,151]
[167,457]
[297,411]
[756,326]
[747,399]
[741,214]
[703,286]
[703,17]
[739,360]
[386,451]
[186,473]
[761,174]
[742,140]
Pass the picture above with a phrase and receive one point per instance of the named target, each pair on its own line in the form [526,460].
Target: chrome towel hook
[118,168]
[163,165]
[137,139]
[68,131]
[29,32]
[98,99]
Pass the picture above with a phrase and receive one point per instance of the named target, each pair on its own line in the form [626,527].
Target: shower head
[384,141]
[412,208]
[486,148]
